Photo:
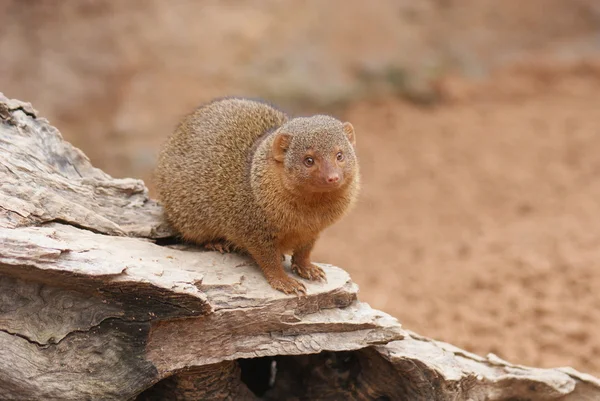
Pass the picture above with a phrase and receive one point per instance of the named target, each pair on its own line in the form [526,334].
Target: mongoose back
[241,174]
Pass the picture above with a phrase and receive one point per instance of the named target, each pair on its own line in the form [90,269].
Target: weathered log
[98,301]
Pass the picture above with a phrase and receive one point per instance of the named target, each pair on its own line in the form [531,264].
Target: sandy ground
[478,222]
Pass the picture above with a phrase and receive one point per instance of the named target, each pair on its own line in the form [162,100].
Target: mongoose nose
[333,178]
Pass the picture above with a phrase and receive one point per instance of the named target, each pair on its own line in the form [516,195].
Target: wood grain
[94,305]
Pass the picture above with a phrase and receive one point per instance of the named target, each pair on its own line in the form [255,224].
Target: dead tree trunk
[98,302]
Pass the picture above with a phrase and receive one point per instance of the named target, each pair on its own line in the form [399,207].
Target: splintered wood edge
[194,283]
[255,332]
[460,369]
[230,280]
[46,179]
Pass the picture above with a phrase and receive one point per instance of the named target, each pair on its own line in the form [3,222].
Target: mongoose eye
[340,156]
[309,161]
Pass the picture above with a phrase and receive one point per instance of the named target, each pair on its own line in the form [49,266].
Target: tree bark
[99,301]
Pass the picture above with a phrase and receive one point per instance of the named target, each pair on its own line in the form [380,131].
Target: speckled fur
[218,180]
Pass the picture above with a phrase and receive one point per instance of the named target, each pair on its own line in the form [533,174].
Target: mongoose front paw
[309,271]
[288,285]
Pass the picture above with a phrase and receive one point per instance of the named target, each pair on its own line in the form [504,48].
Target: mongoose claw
[288,285]
[309,272]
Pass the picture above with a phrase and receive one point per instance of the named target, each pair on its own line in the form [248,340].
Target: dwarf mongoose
[241,174]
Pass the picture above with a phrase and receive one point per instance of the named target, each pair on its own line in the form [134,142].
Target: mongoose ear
[280,145]
[349,131]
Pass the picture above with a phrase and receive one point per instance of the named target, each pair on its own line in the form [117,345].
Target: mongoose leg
[219,245]
[269,262]
[302,266]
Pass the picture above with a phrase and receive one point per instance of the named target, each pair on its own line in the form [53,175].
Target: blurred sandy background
[478,128]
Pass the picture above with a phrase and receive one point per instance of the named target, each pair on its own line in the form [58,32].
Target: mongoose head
[316,153]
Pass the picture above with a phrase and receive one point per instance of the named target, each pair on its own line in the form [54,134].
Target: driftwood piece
[99,302]
[46,179]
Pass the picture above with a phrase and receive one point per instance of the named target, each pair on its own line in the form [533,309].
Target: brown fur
[235,171]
